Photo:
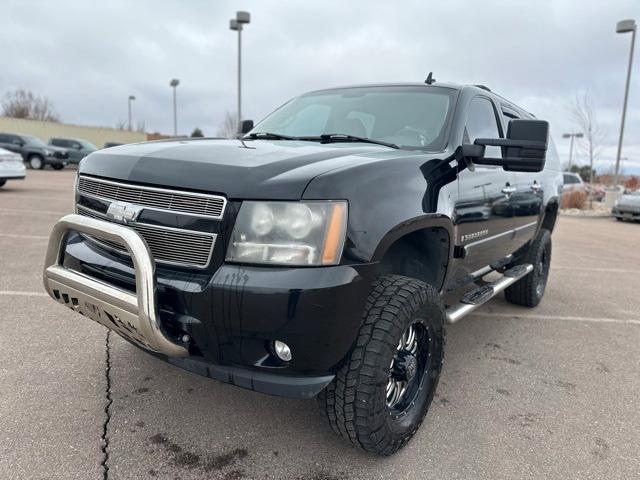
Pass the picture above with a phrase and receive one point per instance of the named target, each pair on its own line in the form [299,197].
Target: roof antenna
[430,79]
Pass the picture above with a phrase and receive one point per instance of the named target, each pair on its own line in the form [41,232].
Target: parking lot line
[594,269]
[17,210]
[22,294]
[18,235]
[517,316]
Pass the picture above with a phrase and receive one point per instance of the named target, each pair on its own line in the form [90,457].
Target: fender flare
[415,224]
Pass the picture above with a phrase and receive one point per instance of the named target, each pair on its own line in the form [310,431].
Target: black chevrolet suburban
[322,253]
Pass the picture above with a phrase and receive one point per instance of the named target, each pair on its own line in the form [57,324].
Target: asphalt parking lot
[549,393]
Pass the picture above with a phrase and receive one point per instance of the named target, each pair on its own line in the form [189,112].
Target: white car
[11,166]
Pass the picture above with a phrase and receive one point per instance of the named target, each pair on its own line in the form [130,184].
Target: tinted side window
[482,123]
[4,138]
[57,142]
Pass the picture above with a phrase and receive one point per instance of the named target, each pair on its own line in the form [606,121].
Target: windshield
[410,117]
[33,141]
[87,145]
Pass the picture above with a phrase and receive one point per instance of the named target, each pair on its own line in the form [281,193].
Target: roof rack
[484,87]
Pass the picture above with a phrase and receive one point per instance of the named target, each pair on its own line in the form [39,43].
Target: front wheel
[380,396]
[57,166]
[36,162]
[2,182]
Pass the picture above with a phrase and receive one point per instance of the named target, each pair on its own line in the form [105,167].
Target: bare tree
[229,128]
[25,104]
[583,114]
[140,126]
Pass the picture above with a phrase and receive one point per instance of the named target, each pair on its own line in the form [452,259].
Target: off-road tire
[526,291]
[355,404]
[36,162]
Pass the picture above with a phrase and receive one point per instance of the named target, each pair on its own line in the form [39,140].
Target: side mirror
[246,126]
[524,149]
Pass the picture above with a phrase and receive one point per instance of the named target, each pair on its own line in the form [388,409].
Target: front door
[482,215]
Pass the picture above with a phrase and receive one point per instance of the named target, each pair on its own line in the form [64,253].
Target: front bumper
[232,316]
[12,170]
[629,212]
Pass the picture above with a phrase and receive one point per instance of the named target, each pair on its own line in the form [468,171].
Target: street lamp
[174,83]
[625,26]
[236,25]
[131,98]
[571,136]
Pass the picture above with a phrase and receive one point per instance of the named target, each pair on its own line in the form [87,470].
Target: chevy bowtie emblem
[123,212]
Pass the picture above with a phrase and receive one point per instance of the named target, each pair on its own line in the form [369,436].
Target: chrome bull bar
[133,316]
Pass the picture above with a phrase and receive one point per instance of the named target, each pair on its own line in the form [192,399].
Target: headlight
[289,233]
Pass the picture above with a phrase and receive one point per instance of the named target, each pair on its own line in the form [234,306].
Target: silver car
[11,166]
[627,207]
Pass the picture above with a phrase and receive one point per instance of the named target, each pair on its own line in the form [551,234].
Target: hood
[257,169]
[633,200]
[53,148]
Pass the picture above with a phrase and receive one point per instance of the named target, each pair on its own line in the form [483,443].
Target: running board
[473,299]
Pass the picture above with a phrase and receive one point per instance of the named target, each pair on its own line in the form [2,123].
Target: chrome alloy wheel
[405,366]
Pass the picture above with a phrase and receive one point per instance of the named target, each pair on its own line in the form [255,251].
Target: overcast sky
[89,56]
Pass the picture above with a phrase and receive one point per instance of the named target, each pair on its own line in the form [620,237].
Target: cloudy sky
[89,56]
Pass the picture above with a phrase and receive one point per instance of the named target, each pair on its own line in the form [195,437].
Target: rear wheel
[36,162]
[2,182]
[380,396]
[529,290]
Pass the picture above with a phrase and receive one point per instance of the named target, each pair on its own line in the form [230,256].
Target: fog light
[282,350]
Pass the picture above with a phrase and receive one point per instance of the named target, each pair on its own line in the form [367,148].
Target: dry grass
[574,199]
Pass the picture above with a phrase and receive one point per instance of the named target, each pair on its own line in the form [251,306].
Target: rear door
[482,218]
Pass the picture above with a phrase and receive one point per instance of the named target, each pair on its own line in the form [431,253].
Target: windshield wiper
[342,137]
[268,136]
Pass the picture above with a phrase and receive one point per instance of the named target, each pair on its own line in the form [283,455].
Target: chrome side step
[473,299]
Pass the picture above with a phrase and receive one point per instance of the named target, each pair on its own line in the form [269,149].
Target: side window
[56,142]
[4,138]
[507,117]
[482,123]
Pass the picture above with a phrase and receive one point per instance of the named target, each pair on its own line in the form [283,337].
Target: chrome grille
[154,198]
[167,245]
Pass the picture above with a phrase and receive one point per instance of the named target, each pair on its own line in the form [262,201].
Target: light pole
[625,26]
[174,83]
[236,25]
[131,98]
[571,136]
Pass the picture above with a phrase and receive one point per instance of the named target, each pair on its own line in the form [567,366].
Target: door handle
[508,190]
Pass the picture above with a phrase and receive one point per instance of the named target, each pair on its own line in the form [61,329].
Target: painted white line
[515,316]
[589,269]
[20,211]
[9,293]
[16,235]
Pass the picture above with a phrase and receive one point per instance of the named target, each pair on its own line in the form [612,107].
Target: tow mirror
[524,149]
[246,126]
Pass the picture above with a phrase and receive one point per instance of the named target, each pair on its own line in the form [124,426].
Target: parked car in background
[11,166]
[34,151]
[111,144]
[77,148]
[627,207]
[572,181]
